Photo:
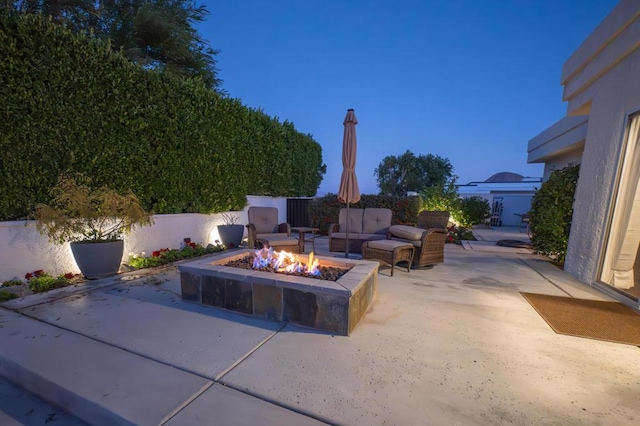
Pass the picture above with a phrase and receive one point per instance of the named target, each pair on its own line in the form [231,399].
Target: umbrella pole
[346,249]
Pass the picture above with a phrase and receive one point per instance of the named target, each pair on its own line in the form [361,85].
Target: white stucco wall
[561,161]
[614,63]
[513,207]
[566,135]
[23,249]
[598,171]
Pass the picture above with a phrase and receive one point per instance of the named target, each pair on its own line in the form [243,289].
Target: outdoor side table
[302,231]
[389,252]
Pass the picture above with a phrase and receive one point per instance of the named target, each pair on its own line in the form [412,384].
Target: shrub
[459,233]
[552,211]
[473,210]
[42,281]
[443,198]
[465,211]
[5,295]
[79,213]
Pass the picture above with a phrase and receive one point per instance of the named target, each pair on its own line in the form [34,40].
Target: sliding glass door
[621,266]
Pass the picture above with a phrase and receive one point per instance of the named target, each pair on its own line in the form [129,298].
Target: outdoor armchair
[263,228]
[428,238]
[428,219]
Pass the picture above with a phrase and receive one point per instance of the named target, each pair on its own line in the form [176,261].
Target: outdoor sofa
[367,224]
[428,238]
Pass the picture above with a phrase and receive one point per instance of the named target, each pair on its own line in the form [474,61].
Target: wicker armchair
[263,228]
[433,219]
[428,238]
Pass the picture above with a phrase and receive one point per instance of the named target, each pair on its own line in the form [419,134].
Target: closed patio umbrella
[349,191]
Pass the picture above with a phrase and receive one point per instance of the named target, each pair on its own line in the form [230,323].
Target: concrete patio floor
[455,344]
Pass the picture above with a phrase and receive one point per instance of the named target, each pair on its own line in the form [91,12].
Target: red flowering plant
[165,255]
[458,233]
[40,281]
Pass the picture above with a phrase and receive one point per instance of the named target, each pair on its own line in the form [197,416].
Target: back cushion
[265,219]
[355,220]
[376,221]
[433,219]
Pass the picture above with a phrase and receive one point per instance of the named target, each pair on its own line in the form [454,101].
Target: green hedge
[324,211]
[552,212]
[69,104]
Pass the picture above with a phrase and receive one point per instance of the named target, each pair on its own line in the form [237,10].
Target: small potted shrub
[93,221]
[231,231]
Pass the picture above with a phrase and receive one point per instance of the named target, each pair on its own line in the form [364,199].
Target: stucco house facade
[508,194]
[601,132]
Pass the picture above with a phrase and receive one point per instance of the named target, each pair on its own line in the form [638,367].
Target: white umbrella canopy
[349,191]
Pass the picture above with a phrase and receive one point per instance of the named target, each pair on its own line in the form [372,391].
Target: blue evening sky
[468,80]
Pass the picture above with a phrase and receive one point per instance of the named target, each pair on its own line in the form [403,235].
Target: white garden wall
[23,249]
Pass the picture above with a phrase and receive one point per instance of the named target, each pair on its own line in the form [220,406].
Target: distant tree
[157,34]
[442,197]
[160,34]
[404,173]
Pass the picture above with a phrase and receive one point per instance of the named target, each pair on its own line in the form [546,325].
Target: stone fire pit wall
[335,306]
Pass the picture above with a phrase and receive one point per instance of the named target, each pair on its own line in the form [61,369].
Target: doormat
[593,319]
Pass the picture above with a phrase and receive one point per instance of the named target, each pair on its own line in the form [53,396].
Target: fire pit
[269,260]
[301,296]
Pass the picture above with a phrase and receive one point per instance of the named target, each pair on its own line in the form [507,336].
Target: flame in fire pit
[285,262]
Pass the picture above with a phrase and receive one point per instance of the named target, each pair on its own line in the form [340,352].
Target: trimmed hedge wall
[552,212]
[324,211]
[69,104]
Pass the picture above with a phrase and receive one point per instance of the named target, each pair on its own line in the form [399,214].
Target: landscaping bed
[40,281]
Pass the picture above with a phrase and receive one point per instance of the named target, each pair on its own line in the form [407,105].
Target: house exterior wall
[614,96]
[563,138]
[600,79]
[561,161]
[516,197]
[513,208]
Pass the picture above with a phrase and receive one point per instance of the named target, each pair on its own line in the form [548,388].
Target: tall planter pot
[98,260]
[231,235]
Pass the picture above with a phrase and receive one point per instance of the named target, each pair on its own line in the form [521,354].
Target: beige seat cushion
[286,241]
[274,236]
[415,243]
[343,235]
[387,245]
[407,232]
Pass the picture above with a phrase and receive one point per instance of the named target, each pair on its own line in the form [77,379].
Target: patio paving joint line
[551,282]
[245,356]
[141,355]
[186,403]
[275,402]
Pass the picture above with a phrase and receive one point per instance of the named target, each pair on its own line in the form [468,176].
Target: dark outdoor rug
[593,319]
